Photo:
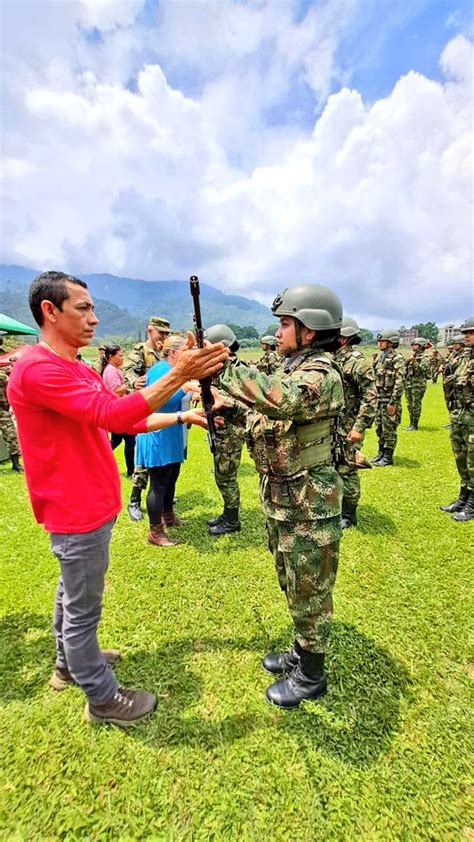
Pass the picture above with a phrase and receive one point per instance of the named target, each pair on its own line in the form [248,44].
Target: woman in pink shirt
[113,378]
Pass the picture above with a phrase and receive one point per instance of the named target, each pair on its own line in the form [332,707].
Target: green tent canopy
[9,325]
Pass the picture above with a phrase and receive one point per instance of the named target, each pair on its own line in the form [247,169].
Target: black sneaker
[125,709]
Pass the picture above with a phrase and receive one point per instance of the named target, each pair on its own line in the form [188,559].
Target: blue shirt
[163,447]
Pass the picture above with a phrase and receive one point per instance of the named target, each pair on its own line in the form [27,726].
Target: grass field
[385,755]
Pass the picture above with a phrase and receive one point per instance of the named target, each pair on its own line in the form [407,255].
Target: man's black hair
[50,286]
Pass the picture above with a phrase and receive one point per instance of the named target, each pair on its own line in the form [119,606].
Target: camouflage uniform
[141,358]
[7,427]
[417,371]
[290,438]
[360,397]
[435,364]
[228,454]
[389,370]
[449,369]
[462,418]
[269,362]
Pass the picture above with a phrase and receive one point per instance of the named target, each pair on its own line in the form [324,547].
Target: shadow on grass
[371,521]
[26,655]
[405,462]
[355,722]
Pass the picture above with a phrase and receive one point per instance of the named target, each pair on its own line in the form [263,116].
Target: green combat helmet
[268,340]
[459,338]
[224,334]
[468,325]
[350,329]
[316,307]
[391,335]
[419,340]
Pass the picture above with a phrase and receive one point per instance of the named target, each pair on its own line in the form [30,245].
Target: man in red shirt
[64,412]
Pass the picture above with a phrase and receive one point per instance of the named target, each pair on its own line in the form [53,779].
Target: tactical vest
[385,374]
[463,386]
[284,448]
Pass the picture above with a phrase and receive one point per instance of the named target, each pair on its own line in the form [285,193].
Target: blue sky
[267,143]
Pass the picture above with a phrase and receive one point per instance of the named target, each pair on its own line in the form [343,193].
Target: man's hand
[354,436]
[199,363]
[140,382]
[391,409]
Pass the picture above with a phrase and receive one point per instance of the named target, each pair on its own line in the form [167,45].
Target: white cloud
[152,182]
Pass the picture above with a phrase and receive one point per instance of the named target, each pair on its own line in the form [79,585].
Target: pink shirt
[63,411]
[112,377]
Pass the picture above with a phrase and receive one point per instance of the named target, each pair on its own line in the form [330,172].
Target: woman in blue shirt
[162,452]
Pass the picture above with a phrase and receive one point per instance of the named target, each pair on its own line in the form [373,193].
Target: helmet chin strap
[298,334]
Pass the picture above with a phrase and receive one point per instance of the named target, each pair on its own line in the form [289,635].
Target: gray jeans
[84,559]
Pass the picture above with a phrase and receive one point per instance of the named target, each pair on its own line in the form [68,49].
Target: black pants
[161,494]
[116,439]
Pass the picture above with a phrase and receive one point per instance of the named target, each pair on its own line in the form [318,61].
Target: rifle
[206,394]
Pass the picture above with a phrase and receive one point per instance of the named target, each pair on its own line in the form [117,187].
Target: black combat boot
[411,426]
[277,662]
[15,457]
[387,458]
[215,520]
[378,455]
[458,504]
[229,523]
[133,507]
[306,682]
[468,512]
[349,514]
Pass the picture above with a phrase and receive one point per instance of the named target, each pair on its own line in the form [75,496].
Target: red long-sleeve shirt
[63,410]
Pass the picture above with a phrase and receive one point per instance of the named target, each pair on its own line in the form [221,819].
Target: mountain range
[124,304]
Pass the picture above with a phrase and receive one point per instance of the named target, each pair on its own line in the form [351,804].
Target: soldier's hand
[354,436]
[140,382]
[391,409]
[201,362]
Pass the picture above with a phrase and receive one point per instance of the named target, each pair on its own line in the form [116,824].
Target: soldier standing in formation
[462,425]
[291,438]
[7,427]
[359,412]
[435,364]
[417,371]
[270,361]
[456,348]
[141,358]
[229,443]
[389,369]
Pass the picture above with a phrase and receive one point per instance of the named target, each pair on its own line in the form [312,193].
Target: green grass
[383,756]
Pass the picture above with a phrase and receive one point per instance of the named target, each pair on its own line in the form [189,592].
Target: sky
[260,145]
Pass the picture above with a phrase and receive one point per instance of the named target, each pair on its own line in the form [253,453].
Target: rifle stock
[205,384]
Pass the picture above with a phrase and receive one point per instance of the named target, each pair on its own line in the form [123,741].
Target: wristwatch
[179,417]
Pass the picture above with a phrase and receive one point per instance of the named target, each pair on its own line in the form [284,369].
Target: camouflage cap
[102,347]
[161,324]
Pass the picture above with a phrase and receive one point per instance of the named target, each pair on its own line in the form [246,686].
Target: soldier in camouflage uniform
[436,360]
[141,358]
[389,370]
[456,348]
[417,371]
[462,426]
[270,361]
[229,443]
[291,439]
[7,427]
[361,403]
